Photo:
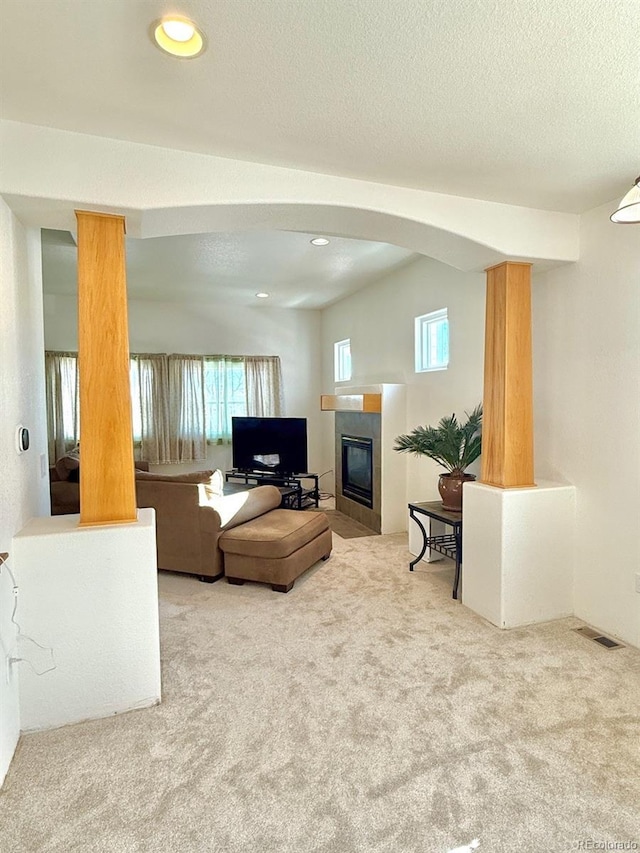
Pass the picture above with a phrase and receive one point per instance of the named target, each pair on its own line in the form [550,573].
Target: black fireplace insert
[357,469]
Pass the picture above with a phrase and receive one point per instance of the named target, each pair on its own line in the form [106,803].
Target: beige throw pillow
[67,466]
[239,507]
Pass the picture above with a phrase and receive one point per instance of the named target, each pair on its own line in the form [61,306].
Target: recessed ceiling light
[319,241]
[262,295]
[178,36]
[178,30]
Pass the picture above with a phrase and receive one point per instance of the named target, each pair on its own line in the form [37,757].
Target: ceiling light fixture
[262,295]
[628,211]
[178,36]
[319,241]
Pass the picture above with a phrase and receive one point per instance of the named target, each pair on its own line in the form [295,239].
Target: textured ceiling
[529,102]
[232,268]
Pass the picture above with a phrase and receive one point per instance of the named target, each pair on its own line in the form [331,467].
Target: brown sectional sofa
[199,528]
[244,535]
[190,518]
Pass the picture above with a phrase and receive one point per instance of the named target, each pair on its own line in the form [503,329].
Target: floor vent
[597,637]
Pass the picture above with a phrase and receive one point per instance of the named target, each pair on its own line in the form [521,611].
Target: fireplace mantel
[351,403]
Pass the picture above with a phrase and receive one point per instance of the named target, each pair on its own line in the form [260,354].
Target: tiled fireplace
[357,436]
[370,475]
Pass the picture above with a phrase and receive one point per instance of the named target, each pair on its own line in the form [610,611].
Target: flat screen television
[276,445]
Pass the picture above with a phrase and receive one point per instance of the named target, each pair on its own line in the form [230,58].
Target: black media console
[294,493]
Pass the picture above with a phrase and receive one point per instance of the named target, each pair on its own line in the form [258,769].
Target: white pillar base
[91,595]
[518,551]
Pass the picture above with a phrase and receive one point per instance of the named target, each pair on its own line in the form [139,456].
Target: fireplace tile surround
[389,511]
[361,425]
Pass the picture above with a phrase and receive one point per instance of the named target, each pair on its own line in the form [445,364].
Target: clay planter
[450,488]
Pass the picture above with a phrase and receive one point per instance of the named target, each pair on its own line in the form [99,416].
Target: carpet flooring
[363,712]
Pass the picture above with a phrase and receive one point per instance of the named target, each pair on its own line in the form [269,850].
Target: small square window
[432,341]
[342,360]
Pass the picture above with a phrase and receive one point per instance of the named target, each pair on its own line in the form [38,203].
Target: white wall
[23,492]
[586,322]
[211,328]
[90,596]
[380,322]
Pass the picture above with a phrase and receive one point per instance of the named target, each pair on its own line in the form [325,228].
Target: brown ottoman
[276,547]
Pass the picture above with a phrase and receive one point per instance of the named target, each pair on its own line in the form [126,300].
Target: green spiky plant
[451,444]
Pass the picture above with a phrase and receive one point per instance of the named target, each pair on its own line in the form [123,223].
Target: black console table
[449,544]
[294,494]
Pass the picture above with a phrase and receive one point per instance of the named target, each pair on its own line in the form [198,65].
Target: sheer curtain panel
[188,438]
[150,397]
[264,386]
[61,383]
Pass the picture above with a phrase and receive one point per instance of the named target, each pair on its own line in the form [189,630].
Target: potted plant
[451,444]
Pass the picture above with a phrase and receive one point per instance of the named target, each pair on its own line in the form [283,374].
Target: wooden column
[107,486]
[507,431]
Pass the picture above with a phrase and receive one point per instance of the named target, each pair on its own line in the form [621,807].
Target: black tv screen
[277,445]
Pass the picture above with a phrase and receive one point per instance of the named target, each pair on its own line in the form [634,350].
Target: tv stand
[299,497]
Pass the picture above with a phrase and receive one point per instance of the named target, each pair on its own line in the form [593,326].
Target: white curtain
[264,386]
[179,402]
[187,434]
[61,382]
[150,397]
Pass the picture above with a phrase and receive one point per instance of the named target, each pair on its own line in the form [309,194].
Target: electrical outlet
[637,581]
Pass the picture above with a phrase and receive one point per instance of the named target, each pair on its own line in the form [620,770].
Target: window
[342,360]
[179,403]
[225,395]
[432,341]
[136,402]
